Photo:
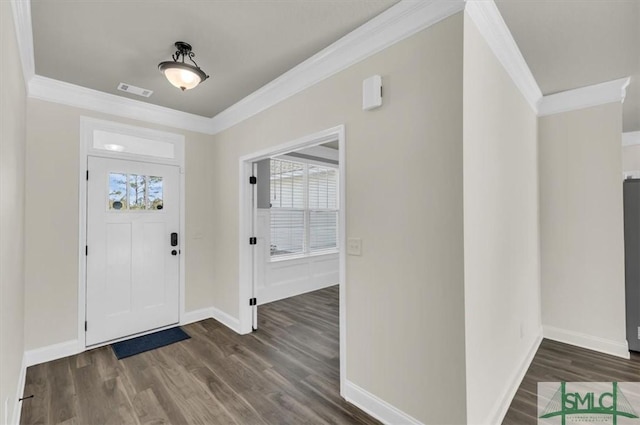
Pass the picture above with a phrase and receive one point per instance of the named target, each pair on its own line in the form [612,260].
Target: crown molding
[51,90]
[584,97]
[487,17]
[631,138]
[395,24]
[494,30]
[24,35]
[402,20]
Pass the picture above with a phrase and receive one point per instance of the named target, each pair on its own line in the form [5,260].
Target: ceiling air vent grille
[134,90]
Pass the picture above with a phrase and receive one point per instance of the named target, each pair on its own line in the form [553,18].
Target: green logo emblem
[604,405]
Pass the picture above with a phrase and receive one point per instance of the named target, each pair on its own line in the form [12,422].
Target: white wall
[12,142]
[501,261]
[405,318]
[581,217]
[631,160]
[51,252]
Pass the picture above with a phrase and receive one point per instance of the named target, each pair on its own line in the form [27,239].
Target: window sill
[290,257]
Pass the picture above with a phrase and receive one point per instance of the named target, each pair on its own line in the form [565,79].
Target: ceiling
[244,44]
[575,43]
[241,44]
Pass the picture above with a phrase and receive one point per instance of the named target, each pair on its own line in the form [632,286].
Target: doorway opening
[292,225]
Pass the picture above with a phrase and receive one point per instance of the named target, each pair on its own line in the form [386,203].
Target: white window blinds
[323,207]
[304,208]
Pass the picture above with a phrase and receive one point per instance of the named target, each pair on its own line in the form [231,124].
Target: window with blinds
[304,208]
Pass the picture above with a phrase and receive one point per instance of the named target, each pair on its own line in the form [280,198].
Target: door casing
[87,127]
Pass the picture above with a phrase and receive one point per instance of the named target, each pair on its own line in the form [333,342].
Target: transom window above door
[132,145]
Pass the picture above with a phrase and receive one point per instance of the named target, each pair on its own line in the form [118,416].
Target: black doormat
[138,345]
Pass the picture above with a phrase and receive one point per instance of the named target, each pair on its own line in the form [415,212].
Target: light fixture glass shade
[182,75]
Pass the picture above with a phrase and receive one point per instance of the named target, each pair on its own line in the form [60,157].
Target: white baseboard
[606,346]
[51,352]
[196,316]
[226,319]
[375,406]
[17,405]
[211,313]
[501,407]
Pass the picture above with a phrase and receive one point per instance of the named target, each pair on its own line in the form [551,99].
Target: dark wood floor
[556,362]
[285,373]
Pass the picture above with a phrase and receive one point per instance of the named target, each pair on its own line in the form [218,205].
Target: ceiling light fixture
[181,74]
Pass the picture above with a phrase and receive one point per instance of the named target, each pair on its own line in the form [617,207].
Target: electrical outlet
[354,246]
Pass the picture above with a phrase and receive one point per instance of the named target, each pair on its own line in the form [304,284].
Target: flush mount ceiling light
[183,75]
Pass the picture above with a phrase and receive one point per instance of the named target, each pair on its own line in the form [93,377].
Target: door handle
[174,239]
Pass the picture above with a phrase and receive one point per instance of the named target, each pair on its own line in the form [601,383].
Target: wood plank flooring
[285,373]
[556,362]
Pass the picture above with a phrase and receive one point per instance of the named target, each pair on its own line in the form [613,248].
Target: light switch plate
[354,246]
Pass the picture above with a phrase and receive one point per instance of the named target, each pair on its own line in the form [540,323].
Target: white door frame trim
[87,127]
[245,276]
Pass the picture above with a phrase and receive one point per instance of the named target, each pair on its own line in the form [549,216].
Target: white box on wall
[372,93]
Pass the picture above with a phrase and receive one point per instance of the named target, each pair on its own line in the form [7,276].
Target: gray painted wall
[264,176]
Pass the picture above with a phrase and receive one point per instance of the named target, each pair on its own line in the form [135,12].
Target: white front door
[132,257]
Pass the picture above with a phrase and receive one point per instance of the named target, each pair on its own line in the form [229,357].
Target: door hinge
[253,240]
[86,250]
[87,174]
[253,301]
[85,325]
[253,180]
